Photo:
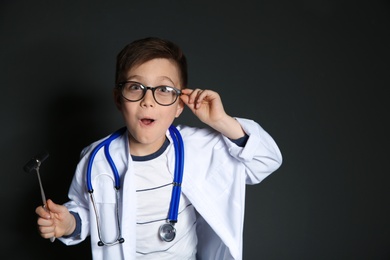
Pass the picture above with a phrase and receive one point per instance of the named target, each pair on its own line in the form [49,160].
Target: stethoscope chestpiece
[167,232]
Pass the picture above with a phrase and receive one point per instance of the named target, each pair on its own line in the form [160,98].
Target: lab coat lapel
[121,154]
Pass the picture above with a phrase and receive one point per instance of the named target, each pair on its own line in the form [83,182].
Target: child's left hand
[205,104]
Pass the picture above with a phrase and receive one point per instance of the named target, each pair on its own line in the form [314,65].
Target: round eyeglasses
[134,91]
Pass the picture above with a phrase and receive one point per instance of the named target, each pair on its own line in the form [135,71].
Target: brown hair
[143,50]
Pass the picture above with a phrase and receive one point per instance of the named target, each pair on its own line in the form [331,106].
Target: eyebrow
[138,77]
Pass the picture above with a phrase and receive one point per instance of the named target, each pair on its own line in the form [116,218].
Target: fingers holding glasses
[195,96]
[205,104]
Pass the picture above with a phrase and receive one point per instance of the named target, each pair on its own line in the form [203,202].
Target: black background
[314,74]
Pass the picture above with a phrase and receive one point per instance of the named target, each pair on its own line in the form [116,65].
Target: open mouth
[147,121]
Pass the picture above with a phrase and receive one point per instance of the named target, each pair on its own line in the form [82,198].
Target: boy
[134,220]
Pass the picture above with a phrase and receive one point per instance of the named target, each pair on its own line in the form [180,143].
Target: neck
[142,149]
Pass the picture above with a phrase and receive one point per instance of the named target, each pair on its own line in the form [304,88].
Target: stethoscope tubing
[178,173]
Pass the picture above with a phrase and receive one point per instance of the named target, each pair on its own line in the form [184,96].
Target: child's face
[147,121]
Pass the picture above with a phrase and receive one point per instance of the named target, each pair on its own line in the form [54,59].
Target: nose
[148,99]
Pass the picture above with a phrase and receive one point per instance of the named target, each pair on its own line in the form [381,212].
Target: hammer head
[35,162]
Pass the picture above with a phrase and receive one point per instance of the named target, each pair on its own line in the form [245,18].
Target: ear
[117,98]
[179,108]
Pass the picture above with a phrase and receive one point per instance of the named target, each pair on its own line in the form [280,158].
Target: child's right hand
[54,220]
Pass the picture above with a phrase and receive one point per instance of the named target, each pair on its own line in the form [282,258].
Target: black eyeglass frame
[153,89]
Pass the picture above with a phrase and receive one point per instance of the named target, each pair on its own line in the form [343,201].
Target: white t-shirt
[154,189]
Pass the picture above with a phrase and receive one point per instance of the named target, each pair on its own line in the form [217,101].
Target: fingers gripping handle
[52,239]
[44,200]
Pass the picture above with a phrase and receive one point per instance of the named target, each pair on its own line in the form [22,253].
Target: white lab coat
[215,174]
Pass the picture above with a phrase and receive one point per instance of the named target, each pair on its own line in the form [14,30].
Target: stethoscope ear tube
[106,143]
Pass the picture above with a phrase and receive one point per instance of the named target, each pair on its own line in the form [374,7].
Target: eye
[133,86]
[164,89]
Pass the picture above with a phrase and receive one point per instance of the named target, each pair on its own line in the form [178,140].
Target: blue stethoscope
[167,231]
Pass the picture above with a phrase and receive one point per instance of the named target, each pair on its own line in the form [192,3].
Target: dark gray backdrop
[312,73]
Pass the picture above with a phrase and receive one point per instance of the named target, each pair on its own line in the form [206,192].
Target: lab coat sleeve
[79,201]
[260,155]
